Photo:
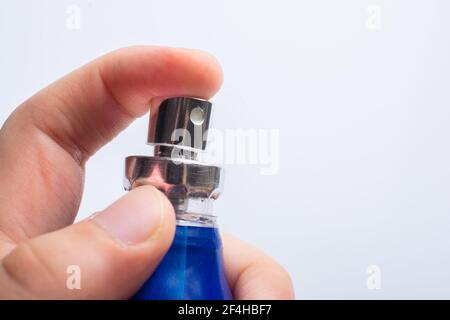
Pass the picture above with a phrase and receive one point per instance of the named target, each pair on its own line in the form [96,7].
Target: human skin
[44,146]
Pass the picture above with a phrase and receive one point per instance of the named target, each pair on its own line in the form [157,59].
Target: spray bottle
[193,266]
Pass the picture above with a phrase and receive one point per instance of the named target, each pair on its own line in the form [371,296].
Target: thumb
[107,256]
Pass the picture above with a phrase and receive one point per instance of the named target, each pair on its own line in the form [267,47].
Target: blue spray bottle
[193,266]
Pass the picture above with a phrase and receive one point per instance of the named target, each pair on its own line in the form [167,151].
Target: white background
[363,114]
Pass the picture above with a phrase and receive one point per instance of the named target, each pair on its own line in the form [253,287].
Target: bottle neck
[196,212]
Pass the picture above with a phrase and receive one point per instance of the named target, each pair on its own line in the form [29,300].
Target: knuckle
[28,271]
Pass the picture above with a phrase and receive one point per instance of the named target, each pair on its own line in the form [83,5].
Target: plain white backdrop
[360,93]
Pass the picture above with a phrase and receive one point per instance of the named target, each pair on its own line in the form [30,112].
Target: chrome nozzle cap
[178,129]
[180,122]
[181,181]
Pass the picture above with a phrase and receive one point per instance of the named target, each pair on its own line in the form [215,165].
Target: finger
[253,275]
[106,257]
[46,141]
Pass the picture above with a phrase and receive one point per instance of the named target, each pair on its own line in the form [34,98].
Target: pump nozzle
[178,127]
[177,130]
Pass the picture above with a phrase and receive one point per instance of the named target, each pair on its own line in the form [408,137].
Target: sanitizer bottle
[193,266]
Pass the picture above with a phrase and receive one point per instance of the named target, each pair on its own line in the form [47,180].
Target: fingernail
[135,217]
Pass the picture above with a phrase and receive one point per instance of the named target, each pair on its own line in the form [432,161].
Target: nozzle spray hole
[197,116]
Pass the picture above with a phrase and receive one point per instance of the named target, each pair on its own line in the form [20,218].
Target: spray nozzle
[178,127]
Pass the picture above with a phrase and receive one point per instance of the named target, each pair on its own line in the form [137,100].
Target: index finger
[47,140]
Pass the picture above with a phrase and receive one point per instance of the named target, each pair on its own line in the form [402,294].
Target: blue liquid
[192,269]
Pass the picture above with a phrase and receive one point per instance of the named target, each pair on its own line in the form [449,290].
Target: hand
[44,146]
